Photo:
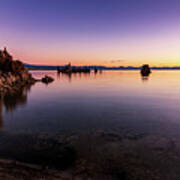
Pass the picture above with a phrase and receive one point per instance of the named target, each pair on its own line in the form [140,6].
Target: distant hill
[49,67]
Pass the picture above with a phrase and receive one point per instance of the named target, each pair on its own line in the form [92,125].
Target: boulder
[47,79]
[145,70]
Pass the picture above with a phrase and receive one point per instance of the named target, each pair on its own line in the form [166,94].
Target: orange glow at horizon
[38,59]
[129,33]
[157,50]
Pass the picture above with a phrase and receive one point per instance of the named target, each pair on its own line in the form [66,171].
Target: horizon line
[100,66]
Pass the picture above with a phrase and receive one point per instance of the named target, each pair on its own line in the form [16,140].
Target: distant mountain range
[49,67]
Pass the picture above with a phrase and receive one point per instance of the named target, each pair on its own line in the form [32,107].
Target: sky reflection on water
[81,102]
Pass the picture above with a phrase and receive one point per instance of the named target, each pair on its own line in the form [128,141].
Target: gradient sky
[101,32]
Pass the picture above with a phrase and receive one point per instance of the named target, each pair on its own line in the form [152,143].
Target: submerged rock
[145,70]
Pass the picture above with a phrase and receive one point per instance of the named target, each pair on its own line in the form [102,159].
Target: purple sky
[112,32]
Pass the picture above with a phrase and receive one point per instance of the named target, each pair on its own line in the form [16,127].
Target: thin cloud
[117,61]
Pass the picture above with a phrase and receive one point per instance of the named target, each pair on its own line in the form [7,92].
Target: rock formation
[68,69]
[47,79]
[13,74]
[145,70]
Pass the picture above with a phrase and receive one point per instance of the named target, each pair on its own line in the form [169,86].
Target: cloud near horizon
[117,61]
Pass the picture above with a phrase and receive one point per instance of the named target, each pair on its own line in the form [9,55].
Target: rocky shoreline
[13,74]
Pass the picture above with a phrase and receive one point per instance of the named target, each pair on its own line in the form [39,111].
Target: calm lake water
[82,102]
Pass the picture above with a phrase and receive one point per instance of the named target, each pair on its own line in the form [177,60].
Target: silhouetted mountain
[49,67]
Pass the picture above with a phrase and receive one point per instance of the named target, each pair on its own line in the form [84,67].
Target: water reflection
[109,97]
[75,76]
[1,116]
[65,75]
[58,75]
[145,78]
[12,100]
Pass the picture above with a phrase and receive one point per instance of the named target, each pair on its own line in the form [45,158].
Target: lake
[85,101]
[115,108]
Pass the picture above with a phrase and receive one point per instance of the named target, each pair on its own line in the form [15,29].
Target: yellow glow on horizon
[156,52]
[155,49]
